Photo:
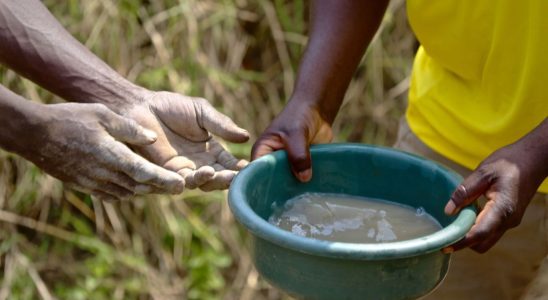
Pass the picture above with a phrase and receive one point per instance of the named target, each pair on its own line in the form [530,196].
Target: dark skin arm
[340,33]
[83,145]
[35,45]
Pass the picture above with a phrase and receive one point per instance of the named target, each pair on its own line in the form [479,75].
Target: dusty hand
[508,179]
[185,145]
[293,130]
[83,145]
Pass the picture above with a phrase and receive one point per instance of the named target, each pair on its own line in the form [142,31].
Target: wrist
[119,94]
[327,107]
[21,126]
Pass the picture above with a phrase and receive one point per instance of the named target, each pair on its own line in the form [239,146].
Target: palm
[184,144]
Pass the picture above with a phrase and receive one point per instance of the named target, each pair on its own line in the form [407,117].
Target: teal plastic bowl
[307,268]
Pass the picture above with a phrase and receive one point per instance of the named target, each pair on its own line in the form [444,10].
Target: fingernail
[178,186]
[150,135]
[448,250]
[241,164]
[450,208]
[305,176]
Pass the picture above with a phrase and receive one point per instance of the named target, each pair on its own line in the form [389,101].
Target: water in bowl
[352,219]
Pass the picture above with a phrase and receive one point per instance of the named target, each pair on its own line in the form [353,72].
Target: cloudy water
[351,219]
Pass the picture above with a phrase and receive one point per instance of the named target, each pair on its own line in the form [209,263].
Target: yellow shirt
[480,78]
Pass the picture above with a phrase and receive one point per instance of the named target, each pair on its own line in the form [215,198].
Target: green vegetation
[242,55]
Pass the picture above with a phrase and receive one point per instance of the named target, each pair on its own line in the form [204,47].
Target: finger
[488,223]
[194,179]
[265,145]
[179,162]
[78,187]
[141,170]
[218,167]
[109,188]
[124,181]
[229,161]
[468,191]
[127,130]
[103,196]
[298,154]
[487,244]
[220,181]
[219,124]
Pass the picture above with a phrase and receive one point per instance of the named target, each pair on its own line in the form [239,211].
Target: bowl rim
[378,251]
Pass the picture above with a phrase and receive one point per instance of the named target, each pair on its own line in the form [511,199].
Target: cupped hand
[185,145]
[297,127]
[508,179]
[83,145]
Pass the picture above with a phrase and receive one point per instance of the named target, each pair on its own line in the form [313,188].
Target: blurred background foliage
[242,55]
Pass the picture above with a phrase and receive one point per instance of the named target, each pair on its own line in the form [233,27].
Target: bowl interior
[353,169]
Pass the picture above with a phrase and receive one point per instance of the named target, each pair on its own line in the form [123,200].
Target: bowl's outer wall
[307,276]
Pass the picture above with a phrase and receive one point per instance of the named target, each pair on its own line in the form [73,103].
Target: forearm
[18,118]
[36,46]
[340,33]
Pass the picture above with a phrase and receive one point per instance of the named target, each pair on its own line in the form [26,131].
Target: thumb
[127,130]
[221,125]
[468,191]
[298,154]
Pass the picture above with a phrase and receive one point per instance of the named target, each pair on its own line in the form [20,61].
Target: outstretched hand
[294,130]
[83,145]
[184,145]
[508,179]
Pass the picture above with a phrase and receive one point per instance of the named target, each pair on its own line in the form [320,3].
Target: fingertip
[241,164]
[206,171]
[177,184]
[150,136]
[451,208]
[304,176]
[195,178]
[179,187]
[240,136]
[448,250]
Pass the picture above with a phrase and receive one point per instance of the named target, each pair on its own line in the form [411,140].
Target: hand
[184,145]
[294,129]
[82,144]
[508,179]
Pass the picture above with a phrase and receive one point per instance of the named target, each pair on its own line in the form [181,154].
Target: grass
[242,55]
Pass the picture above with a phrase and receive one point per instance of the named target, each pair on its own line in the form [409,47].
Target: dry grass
[241,55]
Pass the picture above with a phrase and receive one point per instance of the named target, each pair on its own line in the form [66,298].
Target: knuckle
[290,131]
[486,172]
[507,212]
[200,101]
[460,194]
[101,109]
